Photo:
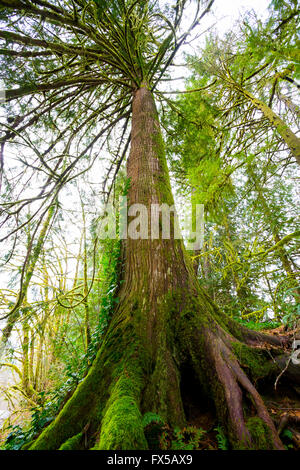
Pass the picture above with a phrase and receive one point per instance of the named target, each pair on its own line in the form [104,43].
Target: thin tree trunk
[285,261]
[291,140]
[15,314]
[87,328]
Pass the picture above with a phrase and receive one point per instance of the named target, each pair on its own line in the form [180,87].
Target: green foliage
[17,438]
[41,417]
[258,325]
[220,157]
[287,438]
[188,438]
[223,443]
[287,433]
[74,371]
[160,436]
[292,314]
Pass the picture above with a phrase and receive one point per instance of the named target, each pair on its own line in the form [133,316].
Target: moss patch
[122,427]
[74,443]
[254,359]
[260,434]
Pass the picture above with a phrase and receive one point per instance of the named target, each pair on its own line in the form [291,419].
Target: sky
[223,17]
[228,11]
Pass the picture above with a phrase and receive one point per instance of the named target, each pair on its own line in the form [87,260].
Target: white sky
[229,10]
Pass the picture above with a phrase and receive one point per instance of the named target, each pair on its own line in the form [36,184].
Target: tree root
[257,338]
[231,390]
[288,419]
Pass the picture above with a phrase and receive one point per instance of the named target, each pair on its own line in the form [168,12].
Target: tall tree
[102,61]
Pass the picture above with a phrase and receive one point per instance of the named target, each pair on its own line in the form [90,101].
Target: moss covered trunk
[163,321]
[288,136]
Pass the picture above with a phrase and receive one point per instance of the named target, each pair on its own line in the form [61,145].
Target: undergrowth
[49,404]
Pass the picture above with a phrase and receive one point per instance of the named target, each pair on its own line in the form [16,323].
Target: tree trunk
[288,136]
[163,322]
[284,258]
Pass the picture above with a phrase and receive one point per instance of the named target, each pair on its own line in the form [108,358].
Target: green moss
[254,359]
[116,374]
[74,443]
[153,428]
[122,427]
[151,417]
[77,411]
[260,434]
[27,445]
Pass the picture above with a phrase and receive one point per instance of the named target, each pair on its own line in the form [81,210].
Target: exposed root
[289,369]
[288,419]
[258,338]
[231,388]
